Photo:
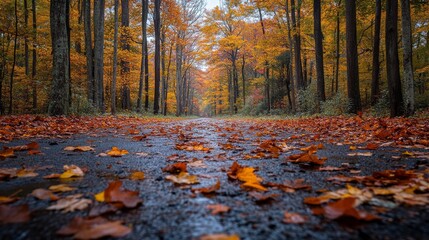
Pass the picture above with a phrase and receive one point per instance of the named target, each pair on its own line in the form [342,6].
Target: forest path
[209,147]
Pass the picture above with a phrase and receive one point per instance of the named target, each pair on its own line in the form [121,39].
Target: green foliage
[422,100]
[307,99]
[81,106]
[382,106]
[337,105]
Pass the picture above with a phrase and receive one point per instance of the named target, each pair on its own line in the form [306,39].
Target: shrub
[337,105]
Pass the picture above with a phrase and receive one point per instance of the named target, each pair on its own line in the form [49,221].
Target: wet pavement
[169,211]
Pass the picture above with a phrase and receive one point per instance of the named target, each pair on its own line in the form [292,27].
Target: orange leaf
[218,208]
[175,168]
[294,218]
[116,152]
[113,193]
[94,228]
[14,214]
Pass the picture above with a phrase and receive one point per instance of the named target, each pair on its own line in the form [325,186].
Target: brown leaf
[218,208]
[115,194]
[7,153]
[7,199]
[294,218]
[72,171]
[263,198]
[61,188]
[116,152]
[183,178]
[44,194]
[71,203]
[307,157]
[79,149]
[219,236]
[175,168]
[24,173]
[139,138]
[346,208]
[14,214]
[137,175]
[208,190]
[94,228]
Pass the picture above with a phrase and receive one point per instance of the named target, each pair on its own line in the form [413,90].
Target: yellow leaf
[71,171]
[116,152]
[183,178]
[137,175]
[99,196]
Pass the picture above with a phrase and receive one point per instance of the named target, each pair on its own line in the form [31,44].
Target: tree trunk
[375,83]
[337,49]
[297,48]
[165,109]
[290,73]
[243,79]
[143,69]
[318,39]
[59,98]
[157,23]
[12,72]
[408,58]
[34,62]
[352,58]
[146,54]
[99,53]
[266,69]
[26,51]
[115,60]
[392,59]
[164,87]
[179,58]
[89,53]
[125,47]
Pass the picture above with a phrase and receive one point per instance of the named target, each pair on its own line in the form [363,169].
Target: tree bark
[392,59]
[290,72]
[297,48]
[115,60]
[34,62]
[337,48]
[59,98]
[99,53]
[143,68]
[157,22]
[352,58]
[26,51]
[375,83]
[318,39]
[12,72]
[125,47]
[407,44]
[89,53]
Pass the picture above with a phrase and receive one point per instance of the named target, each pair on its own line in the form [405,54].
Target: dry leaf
[72,171]
[14,214]
[44,194]
[208,190]
[183,178]
[218,208]
[71,203]
[7,153]
[79,149]
[137,175]
[94,228]
[219,236]
[294,218]
[175,168]
[116,152]
[61,188]
[7,199]
[115,194]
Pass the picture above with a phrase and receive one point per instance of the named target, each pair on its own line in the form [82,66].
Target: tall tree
[157,23]
[143,68]
[375,85]
[352,58]
[297,45]
[392,59]
[408,58]
[89,52]
[146,54]
[34,62]
[59,98]
[12,72]
[26,50]
[337,47]
[115,60]
[318,39]
[125,47]
[99,53]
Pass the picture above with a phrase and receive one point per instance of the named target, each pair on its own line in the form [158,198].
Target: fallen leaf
[103,208]
[363,154]
[72,171]
[307,157]
[71,203]
[61,188]
[24,173]
[208,190]
[263,198]
[44,194]
[52,176]
[218,208]
[79,149]
[115,194]
[14,214]
[7,199]
[197,164]
[137,175]
[219,236]
[139,138]
[183,178]
[94,228]
[116,152]
[246,175]
[7,153]
[346,208]
[175,168]
[294,218]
